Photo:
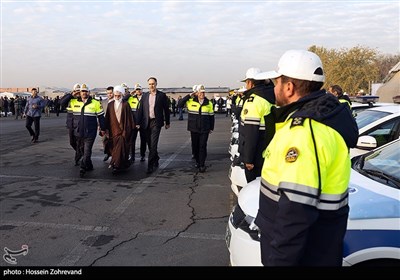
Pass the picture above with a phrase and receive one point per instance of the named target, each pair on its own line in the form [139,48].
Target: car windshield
[384,163]
[366,117]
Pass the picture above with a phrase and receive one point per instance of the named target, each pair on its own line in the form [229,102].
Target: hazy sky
[182,43]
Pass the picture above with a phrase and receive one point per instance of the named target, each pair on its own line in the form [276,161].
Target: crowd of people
[14,106]
[293,134]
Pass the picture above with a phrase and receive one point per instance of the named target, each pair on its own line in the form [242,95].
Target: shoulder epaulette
[297,121]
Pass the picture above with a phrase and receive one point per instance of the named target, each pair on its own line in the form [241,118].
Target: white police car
[377,126]
[373,230]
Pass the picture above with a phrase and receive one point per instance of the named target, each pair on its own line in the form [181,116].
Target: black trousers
[152,136]
[142,135]
[199,147]
[72,138]
[84,148]
[28,125]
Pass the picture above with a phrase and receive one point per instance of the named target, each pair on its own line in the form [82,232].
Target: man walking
[119,126]
[153,114]
[33,112]
[200,123]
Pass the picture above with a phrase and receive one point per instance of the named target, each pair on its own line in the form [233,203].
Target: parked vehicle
[373,230]
[377,126]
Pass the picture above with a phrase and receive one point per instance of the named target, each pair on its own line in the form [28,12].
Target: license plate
[228,236]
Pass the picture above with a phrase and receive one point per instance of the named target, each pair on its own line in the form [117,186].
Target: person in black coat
[153,114]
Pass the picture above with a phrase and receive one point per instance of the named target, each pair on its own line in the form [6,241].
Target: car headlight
[245,222]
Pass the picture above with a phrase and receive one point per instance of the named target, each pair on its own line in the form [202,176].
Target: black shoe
[82,172]
[114,171]
[202,169]
[156,164]
[77,162]
[142,159]
[197,165]
[106,157]
[149,170]
[89,169]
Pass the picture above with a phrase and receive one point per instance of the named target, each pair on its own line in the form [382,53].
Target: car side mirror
[366,142]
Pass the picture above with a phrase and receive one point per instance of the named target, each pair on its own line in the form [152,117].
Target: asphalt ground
[174,217]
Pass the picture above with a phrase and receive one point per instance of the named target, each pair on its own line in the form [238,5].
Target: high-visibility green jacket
[252,136]
[303,206]
[200,116]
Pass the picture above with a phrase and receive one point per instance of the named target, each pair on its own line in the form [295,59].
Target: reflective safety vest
[342,100]
[75,106]
[254,110]
[200,116]
[309,162]
[91,112]
[252,138]
[133,102]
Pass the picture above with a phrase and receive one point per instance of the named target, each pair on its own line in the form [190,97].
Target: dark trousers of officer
[180,109]
[152,136]
[199,147]
[84,147]
[142,135]
[28,125]
[72,138]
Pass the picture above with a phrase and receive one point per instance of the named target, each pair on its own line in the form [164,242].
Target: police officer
[259,98]
[133,100]
[200,123]
[337,91]
[86,131]
[303,207]
[74,105]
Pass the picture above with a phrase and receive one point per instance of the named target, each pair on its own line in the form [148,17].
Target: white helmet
[76,87]
[137,86]
[251,73]
[297,64]
[194,88]
[84,87]
[200,88]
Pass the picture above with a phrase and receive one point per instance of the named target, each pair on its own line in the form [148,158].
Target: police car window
[367,116]
[385,132]
[386,160]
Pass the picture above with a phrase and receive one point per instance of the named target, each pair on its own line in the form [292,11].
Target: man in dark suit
[153,112]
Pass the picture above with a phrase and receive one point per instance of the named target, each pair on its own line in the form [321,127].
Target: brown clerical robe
[120,133]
